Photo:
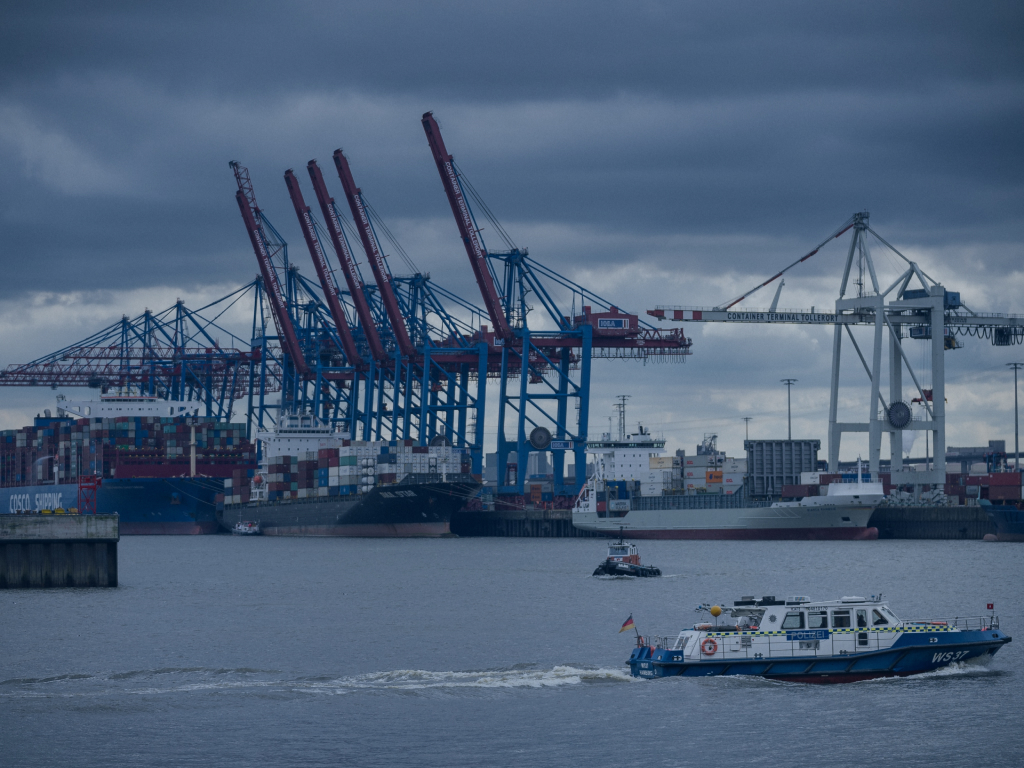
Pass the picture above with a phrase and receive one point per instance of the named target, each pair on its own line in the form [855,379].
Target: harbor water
[232,651]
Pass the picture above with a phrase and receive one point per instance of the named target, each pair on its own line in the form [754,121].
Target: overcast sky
[660,153]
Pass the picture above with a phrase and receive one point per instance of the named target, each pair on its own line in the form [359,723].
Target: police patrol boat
[624,560]
[795,639]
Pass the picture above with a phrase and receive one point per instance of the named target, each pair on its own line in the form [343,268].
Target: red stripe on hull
[853,677]
[167,529]
[373,531]
[759,534]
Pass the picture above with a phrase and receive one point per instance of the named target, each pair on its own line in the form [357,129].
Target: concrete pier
[38,551]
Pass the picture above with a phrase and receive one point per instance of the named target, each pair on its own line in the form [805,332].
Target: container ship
[316,481]
[637,492]
[155,463]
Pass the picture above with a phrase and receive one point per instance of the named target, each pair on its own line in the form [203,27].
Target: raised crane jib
[380,271]
[323,269]
[467,229]
[273,288]
[348,263]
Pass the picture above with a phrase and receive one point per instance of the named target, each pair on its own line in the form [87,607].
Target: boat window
[862,618]
[840,619]
[817,620]
[877,619]
[793,621]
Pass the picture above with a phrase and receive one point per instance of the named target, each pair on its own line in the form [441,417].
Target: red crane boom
[323,269]
[348,263]
[467,229]
[278,303]
[380,271]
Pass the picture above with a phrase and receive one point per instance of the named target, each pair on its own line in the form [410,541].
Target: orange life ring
[709,646]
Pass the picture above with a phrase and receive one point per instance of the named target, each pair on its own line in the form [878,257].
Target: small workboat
[247,528]
[624,560]
[795,639]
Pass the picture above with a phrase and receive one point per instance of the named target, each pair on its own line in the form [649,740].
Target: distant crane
[927,312]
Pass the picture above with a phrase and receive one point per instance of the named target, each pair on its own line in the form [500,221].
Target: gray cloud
[661,152]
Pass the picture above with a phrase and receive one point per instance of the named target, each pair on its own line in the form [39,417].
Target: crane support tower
[913,307]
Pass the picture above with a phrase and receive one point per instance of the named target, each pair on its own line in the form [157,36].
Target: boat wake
[187,680]
[956,669]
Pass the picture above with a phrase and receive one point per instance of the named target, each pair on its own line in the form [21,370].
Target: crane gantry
[914,306]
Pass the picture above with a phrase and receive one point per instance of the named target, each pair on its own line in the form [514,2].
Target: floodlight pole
[789,404]
[1016,421]
[747,419]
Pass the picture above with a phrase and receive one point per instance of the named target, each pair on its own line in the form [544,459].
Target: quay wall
[40,551]
[514,523]
[954,522]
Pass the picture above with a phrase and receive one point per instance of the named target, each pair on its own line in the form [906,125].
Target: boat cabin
[621,552]
[767,628]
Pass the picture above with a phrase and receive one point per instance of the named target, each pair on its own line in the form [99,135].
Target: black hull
[609,568]
[408,510]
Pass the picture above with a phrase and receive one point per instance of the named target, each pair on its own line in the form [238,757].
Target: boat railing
[964,623]
[668,642]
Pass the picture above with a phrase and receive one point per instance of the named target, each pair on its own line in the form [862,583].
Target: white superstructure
[112,406]
[299,434]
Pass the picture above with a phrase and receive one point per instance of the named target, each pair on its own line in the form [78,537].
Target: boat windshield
[793,621]
[618,550]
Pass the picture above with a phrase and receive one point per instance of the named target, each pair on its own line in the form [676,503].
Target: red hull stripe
[776,534]
[377,530]
[854,677]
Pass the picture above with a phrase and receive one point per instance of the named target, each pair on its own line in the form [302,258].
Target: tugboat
[837,641]
[247,528]
[624,560]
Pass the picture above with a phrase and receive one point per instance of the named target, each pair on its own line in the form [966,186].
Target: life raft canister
[709,646]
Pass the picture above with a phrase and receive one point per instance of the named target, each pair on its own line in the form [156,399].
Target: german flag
[627,624]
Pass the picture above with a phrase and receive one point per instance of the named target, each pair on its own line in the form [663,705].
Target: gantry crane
[544,358]
[914,306]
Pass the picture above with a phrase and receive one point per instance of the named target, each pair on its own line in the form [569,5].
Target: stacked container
[356,467]
[56,451]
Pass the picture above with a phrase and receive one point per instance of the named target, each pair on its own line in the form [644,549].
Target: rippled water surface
[466,652]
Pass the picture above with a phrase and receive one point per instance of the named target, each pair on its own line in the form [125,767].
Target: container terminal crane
[401,359]
[914,306]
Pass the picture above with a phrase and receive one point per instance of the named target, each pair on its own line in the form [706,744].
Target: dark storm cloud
[639,122]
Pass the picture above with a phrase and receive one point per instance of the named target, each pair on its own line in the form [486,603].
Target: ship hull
[823,522]
[400,511]
[145,506]
[1009,522]
[756,534]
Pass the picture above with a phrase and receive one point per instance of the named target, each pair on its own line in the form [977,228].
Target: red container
[1004,492]
[796,490]
[1004,478]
